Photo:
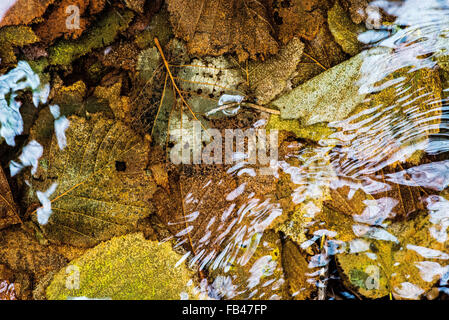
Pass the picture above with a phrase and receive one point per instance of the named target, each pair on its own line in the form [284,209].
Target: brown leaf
[8,210]
[405,199]
[216,210]
[297,18]
[356,9]
[56,24]
[320,54]
[24,12]
[215,27]
[345,203]
[296,268]
[96,6]
[21,252]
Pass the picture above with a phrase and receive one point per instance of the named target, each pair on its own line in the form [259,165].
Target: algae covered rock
[125,268]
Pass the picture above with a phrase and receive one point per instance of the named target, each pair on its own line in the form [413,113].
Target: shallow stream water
[361,213]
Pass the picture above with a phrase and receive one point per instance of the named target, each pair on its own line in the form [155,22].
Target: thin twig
[249,105]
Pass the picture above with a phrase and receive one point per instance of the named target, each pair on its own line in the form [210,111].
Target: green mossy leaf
[344,30]
[95,199]
[100,35]
[126,268]
[14,36]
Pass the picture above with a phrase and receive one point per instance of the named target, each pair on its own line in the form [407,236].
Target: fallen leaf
[100,35]
[297,18]
[126,268]
[213,27]
[270,78]
[214,212]
[344,30]
[20,251]
[357,9]
[24,12]
[8,210]
[296,270]
[406,265]
[55,25]
[103,187]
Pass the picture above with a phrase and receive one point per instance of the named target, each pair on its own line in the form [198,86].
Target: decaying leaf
[296,270]
[8,210]
[103,187]
[20,251]
[344,30]
[25,11]
[297,18]
[55,25]
[126,268]
[357,9]
[388,201]
[100,35]
[213,27]
[268,79]
[136,5]
[14,36]
[404,259]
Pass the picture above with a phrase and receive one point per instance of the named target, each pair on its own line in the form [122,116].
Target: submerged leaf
[296,270]
[404,259]
[8,210]
[344,30]
[14,36]
[213,27]
[126,268]
[25,11]
[20,251]
[103,186]
[268,79]
[56,24]
[260,276]
[297,18]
